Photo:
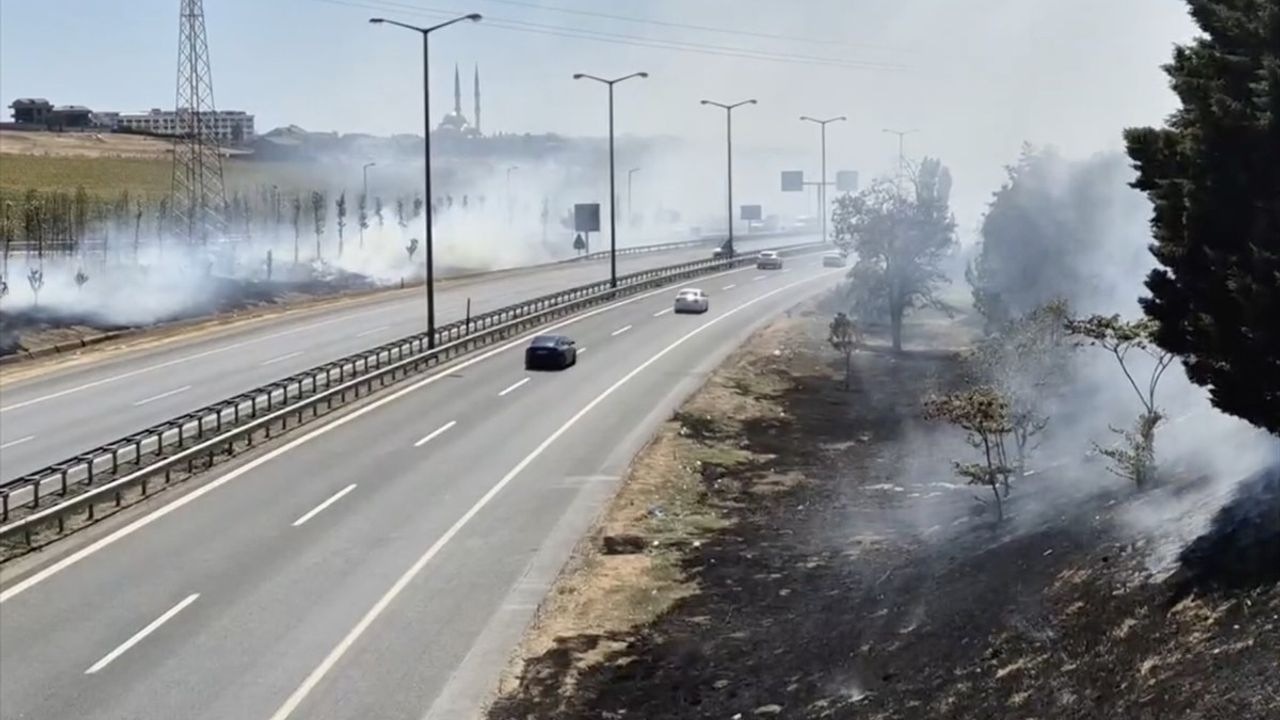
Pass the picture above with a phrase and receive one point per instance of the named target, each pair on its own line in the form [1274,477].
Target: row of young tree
[1212,175]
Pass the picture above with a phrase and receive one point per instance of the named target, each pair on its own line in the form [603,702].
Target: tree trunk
[848,370]
[895,323]
[995,490]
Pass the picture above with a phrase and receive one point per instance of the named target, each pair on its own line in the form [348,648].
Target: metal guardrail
[707,241]
[201,436]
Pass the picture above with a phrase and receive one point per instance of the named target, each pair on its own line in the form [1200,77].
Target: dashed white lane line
[371,331]
[660,313]
[162,395]
[581,350]
[19,441]
[141,634]
[436,433]
[729,287]
[620,330]
[513,387]
[291,704]
[282,358]
[320,508]
[758,278]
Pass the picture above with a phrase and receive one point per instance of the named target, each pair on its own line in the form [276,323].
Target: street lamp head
[707,102]
[842,117]
[475,17]
[751,102]
[642,74]
[377,21]
[578,76]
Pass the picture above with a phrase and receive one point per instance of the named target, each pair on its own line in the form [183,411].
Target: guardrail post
[64,481]
[4,506]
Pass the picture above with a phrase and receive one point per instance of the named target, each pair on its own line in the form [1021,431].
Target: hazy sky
[977,77]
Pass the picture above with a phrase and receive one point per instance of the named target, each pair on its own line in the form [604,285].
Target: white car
[692,300]
[833,259]
[769,260]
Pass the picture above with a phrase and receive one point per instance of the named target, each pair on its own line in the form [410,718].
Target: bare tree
[984,414]
[1135,457]
[317,215]
[844,337]
[377,211]
[341,206]
[297,226]
[362,216]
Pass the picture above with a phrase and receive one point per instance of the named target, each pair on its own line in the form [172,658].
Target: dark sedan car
[550,352]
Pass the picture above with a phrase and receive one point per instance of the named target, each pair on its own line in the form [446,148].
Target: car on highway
[833,259]
[724,252]
[692,300]
[550,352]
[769,260]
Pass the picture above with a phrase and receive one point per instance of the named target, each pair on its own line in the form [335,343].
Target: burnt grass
[822,602]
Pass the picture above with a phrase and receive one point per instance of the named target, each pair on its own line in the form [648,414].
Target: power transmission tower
[198,195]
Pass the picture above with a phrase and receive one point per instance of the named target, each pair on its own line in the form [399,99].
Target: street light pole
[728,116]
[426,138]
[509,206]
[822,187]
[613,215]
[631,208]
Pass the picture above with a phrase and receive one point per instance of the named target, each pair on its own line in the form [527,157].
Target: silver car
[769,260]
[692,300]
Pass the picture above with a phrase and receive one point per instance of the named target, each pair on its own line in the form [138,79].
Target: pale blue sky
[979,77]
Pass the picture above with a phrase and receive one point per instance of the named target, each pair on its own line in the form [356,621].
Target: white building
[233,127]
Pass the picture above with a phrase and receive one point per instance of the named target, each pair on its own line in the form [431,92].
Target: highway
[378,564]
[57,414]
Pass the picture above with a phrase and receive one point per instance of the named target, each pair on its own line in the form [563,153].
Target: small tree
[362,216]
[137,230]
[81,278]
[401,219]
[377,211]
[411,248]
[417,206]
[162,224]
[341,207]
[297,226]
[1135,458]
[35,278]
[318,212]
[843,336]
[984,414]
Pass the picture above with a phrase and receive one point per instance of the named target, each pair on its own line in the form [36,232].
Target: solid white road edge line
[19,441]
[436,433]
[448,369]
[320,508]
[162,396]
[282,358]
[619,331]
[141,634]
[403,581]
[513,386]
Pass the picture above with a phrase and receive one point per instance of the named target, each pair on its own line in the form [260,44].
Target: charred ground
[843,595]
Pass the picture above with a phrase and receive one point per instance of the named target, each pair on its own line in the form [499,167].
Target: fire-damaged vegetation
[798,550]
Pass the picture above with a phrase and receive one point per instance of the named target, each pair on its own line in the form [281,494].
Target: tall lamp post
[426,138]
[613,215]
[510,209]
[728,116]
[902,156]
[822,187]
[631,209]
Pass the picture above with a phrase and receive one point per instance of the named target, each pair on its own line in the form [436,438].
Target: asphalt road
[380,564]
[58,414]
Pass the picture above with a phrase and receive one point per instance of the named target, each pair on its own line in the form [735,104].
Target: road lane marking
[758,278]
[620,330]
[141,634]
[436,433]
[513,386]
[176,361]
[660,313]
[282,358]
[162,396]
[291,704]
[320,508]
[19,441]
[371,331]
[580,351]
[446,371]
[730,287]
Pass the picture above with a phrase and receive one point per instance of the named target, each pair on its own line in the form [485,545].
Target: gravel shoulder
[786,548]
